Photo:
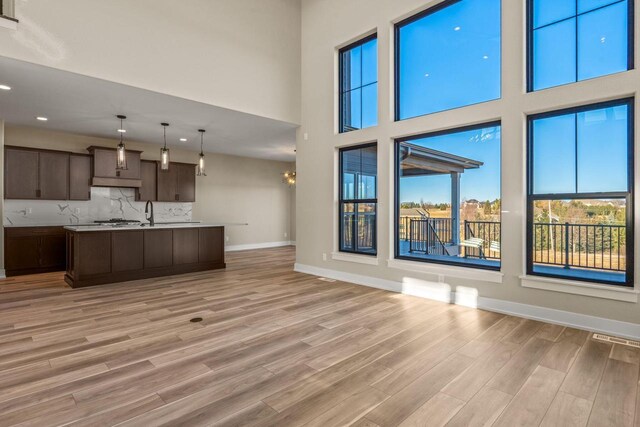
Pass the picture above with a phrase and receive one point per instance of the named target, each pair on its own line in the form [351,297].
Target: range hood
[105,173]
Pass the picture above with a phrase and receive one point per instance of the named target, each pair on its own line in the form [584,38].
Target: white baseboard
[442,292]
[247,247]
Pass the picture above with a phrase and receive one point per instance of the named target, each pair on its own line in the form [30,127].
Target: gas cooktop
[117,221]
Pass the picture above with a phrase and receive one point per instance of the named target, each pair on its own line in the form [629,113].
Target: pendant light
[164,151]
[200,168]
[121,153]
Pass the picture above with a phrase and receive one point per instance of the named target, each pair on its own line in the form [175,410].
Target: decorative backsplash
[105,203]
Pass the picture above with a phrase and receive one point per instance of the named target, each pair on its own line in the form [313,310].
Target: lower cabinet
[30,250]
[99,257]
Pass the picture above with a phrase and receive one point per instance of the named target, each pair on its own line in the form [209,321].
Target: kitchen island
[101,254]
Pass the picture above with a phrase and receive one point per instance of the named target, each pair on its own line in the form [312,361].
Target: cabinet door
[127,250]
[185,246]
[149,175]
[211,244]
[158,248]
[22,253]
[53,251]
[133,166]
[186,182]
[54,176]
[79,177]
[20,174]
[104,163]
[168,185]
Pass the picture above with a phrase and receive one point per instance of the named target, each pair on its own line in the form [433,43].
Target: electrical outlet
[324,256]
[286,235]
[29,210]
[306,136]
[77,211]
[226,239]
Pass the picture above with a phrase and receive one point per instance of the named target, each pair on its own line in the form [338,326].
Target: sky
[481,184]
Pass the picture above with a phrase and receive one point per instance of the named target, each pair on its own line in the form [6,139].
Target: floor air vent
[326,279]
[614,340]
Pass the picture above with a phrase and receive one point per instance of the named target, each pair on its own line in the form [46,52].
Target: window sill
[450,271]
[580,288]
[360,259]
[8,22]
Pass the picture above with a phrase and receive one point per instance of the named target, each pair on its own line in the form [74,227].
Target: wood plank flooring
[279,348]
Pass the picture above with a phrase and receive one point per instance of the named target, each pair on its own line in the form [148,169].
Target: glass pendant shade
[121,152]
[121,157]
[164,151]
[200,167]
[164,158]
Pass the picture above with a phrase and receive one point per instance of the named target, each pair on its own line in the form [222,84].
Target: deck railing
[596,246]
[429,235]
[365,229]
[489,233]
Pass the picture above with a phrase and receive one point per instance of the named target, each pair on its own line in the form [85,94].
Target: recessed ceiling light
[122,130]
[183,139]
[5,87]
[42,119]
[456,29]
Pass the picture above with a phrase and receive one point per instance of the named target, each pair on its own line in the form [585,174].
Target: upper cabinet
[105,173]
[149,175]
[178,184]
[79,177]
[36,174]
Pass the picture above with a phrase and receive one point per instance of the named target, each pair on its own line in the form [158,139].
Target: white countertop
[143,226]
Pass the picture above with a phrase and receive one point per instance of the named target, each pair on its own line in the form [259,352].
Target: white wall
[330,24]
[240,54]
[235,190]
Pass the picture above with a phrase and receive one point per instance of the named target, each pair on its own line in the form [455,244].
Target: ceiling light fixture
[289,178]
[183,139]
[42,119]
[121,153]
[164,151]
[5,87]
[200,168]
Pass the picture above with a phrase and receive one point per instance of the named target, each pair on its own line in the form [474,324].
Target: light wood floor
[280,348]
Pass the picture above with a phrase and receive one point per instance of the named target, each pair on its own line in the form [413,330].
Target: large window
[359,85]
[448,57]
[573,40]
[448,197]
[580,193]
[358,198]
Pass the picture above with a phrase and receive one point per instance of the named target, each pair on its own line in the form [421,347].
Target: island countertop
[142,226]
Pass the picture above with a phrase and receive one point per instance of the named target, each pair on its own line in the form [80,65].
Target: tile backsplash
[105,203]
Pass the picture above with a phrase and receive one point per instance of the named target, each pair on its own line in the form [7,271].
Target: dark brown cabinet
[105,173]
[36,174]
[46,175]
[149,175]
[178,184]
[20,174]
[29,250]
[97,257]
[53,171]
[79,177]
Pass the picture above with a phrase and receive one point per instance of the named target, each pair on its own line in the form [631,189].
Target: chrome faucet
[146,212]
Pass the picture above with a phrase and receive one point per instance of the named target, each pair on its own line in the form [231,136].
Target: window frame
[530,50]
[342,201]
[396,59]
[341,85]
[396,189]
[627,195]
